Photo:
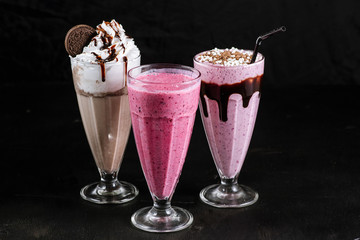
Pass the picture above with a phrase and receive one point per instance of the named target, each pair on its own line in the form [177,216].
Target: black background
[305,151]
[320,46]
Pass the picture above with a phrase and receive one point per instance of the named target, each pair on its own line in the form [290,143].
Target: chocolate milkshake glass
[106,119]
[163,103]
[230,95]
[100,84]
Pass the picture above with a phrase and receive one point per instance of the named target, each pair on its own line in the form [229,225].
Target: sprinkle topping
[226,57]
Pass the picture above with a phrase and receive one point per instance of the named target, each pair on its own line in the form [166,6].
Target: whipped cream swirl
[111,44]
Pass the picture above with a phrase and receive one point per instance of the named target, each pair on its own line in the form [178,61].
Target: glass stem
[229,185]
[109,184]
[161,208]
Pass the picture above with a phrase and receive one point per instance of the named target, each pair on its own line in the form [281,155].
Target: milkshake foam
[105,51]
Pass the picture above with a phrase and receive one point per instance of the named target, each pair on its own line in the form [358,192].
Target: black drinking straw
[263,37]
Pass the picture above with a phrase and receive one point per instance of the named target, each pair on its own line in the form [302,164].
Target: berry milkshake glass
[230,95]
[163,102]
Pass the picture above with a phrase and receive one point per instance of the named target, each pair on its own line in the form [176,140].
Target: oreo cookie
[77,38]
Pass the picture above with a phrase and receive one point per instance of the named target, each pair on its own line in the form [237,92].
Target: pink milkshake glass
[230,98]
[163,102]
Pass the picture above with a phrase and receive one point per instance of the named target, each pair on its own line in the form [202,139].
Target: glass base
[122,193]
[228,196]
[172,219]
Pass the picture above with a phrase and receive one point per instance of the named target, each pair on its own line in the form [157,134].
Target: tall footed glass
[163,102]
[230,98]
[104,106]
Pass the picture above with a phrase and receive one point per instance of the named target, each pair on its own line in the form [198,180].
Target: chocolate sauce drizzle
[125,68]
[221,94]
[106,40]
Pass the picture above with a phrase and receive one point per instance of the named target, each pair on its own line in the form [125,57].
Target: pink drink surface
[163,116]
[229,122]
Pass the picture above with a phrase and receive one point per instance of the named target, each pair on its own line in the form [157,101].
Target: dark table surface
[304,160]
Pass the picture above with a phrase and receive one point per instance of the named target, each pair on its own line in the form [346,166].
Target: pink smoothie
[230,98]
[162,117]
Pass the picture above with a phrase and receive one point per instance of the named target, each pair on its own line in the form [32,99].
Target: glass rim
[238,66]
[120,61]
[153,66]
